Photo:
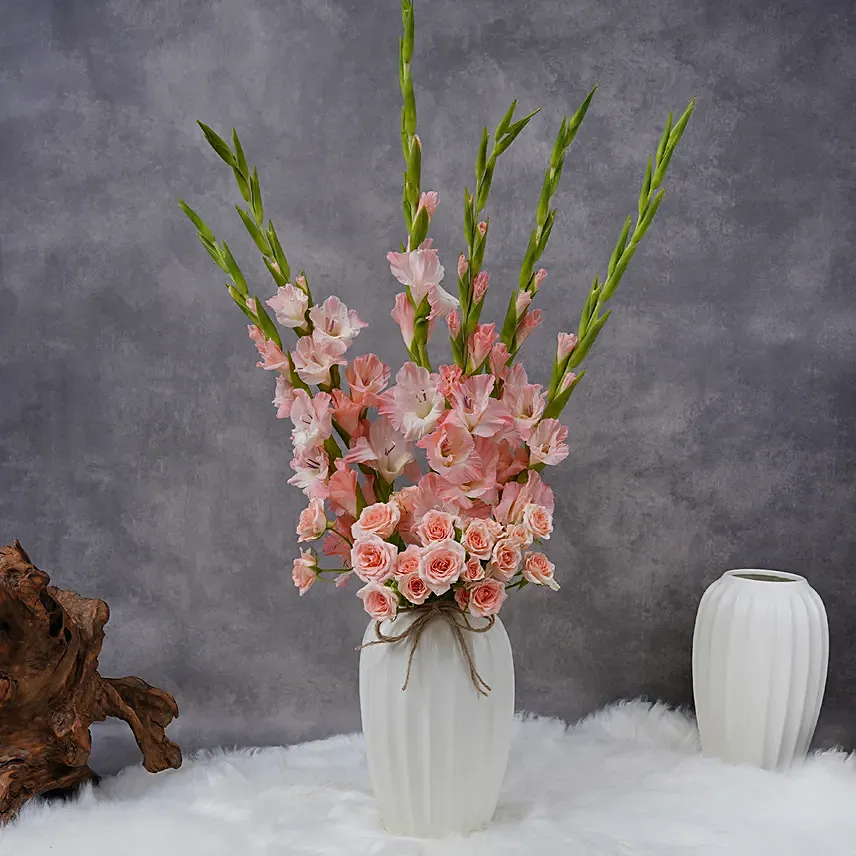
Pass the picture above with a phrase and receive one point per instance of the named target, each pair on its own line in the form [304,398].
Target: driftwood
[50,689]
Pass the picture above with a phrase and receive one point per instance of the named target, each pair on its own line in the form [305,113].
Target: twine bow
[455,618]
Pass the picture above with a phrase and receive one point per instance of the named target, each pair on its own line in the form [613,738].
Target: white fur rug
[629,780]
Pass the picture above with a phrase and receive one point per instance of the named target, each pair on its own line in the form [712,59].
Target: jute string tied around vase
[456,619]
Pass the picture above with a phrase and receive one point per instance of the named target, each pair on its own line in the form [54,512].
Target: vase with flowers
[435,548]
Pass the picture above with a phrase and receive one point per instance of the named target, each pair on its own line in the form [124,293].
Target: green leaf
[484,187]
[577,118]
[620,244]
[256,198]
[677,132]
[267,326]
[241,303]
[612,282]
[481,158]
[664,139]
[579,353]
[517,127]
[197,221]
[414,166]
[278,254]
[255,232]
[587,306]
[234,271]
[528,260]
[559,146]
[662,166]
[218,144]
[278,278]
[420,228]
[502,127]
[649,214]
[243,168]
[243,187]
[214,253]
[645,192]
[407,23]
[555,408]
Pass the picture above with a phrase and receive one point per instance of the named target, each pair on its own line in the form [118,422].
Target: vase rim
[764,575]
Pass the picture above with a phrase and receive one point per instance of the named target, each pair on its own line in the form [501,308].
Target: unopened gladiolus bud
[538,279]
[404,315]
[566,344]
[530,321]
[251,305]
[482,228]
[275,266]
[480,284]
[453,319]
[523,301]
[480,343]
[301,283]
[567,380]
[429,201]
[463,266]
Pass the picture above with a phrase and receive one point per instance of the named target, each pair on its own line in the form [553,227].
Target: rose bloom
[441,564]
[520,534]
[539,520]
[486,598]
[373,559]
[413,587]
[303,572]
[505,560]
[380,602]
[538,569]
[408,561]
[462,596]
[312,523]
[473,570]
[379,519]
[437,525]
[479,538]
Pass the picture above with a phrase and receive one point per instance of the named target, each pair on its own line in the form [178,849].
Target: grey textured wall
[141,461]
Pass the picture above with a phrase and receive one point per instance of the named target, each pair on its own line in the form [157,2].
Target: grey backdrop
[141,461]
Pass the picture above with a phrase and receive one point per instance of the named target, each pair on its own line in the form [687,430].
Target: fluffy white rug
[629,780]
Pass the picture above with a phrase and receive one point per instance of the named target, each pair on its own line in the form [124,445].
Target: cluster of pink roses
[465,529]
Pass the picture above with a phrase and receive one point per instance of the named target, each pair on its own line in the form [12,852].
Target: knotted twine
[456,619]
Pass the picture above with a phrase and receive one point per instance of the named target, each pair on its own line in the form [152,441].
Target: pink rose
[539,520]
[303,572]
[520,534]
[473,570]
[373,559]
[462,596]
[379,519]
[441,564]
[505,560]
[479,538]
[408,561]
[486,598]
[380,602]
[413,587]
[538,569]
[437,525]
[312,523]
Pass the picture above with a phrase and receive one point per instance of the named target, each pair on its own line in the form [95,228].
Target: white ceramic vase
[437,751]
[760,651]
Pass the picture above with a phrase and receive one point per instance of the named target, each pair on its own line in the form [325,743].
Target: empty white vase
[437,751]
[760,651]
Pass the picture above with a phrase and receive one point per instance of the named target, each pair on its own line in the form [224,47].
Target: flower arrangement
[468,529]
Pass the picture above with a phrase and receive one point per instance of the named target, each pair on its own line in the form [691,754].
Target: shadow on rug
[628,780]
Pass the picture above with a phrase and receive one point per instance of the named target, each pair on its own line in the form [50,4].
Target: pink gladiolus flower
[479,538]
[480,343]
[415,403]
[272,357]
[335,324]
[384,449]
[419,269]
[303,572]
[441,302]
[483,488]
[379,519]
[450,380]
[530,321]
[451,451]
[310,465]
[346,413]
[440,565]
[567,380]
[367,377]
[429,201]
[336,543]
[283,397]
[404,314]
[498,361]
[480,284]
[289,306]
[312,522]
[566,344]
[539,520]
[482,415]
[257,336]
[408,561]
[312,419]
[373,559]
[516,496]
[313,359]
[380,602]
[482,227]
[505,559]
[453,319]
[538,279]
[433,491]
[413,588]
[463,266]
[473,570]
[342,490]
[486,598]
[522,303]
[525,401]
[437,525]
[538,569]
[547,443]
[513,460]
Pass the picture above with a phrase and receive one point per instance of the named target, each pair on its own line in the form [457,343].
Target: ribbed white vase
[760,651]
[437,751]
